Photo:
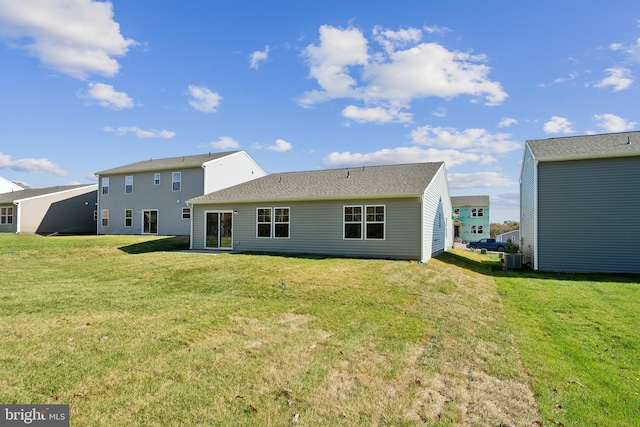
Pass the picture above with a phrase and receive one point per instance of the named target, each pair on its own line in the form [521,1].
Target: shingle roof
[379,181]
[621,144]
[469,201]
[34,192]
[164,164]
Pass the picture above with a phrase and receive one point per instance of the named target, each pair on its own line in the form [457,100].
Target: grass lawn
[130,333]
[579,337]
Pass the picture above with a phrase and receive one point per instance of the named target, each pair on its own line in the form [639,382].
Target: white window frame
[130,217]
[456,212]
[477,229]
[375,221]
[156,179]
[274,217]
[175,181]
[105,186]
[6,215]
[352,222]
[258,222]
[104,218]
[477,212]
[128,184]
[187,212]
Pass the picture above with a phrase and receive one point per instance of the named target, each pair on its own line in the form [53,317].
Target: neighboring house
[393,212]
[66,209]
[7,186]
[149,197]
[580,203]
[471,218]
[514,236]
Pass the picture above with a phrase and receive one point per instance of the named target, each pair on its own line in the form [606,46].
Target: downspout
[191,225]
[17,216]
[98,218]
[535,215]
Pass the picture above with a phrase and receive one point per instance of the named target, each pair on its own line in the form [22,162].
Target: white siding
[230,170]
[437,223]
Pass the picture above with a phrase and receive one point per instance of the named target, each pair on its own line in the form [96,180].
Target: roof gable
[169,163]
[36,192]
[380,181]
[623,144]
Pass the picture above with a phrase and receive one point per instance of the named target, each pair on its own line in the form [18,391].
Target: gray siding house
[579,203]
[66,209]
[394,212]
[149,197]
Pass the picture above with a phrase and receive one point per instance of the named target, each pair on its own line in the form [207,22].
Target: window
[128,217]
[477,212]
[105,217]
[6,215]
[456,212]
[263,222]
[477,229]
[105,185]
[375,222]
[128,184]
[352,222]
[156,179]
[281,223]
[95,215]
[176,181]
[186,213]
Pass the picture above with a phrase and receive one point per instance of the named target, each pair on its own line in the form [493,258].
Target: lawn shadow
[493,267]
[167,244]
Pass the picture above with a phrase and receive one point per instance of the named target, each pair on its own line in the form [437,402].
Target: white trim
[219,248]
[55,192]
[142,211]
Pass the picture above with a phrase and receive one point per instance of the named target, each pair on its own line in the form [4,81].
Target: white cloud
[31,165]
[619,78]
[507,122]
[280,145]
[140,133]
[404,70]
[203,99]
[613,123]
[376,115]
[75,37]
[329,63]
[436,29]
[404,155]
[471,140]
[108,97]
[257,57]
[479,180]
[558,125]
[224,143]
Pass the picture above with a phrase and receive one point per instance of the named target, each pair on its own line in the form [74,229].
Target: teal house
[470,218]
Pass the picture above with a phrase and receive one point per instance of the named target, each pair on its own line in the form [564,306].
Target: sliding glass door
[218,229]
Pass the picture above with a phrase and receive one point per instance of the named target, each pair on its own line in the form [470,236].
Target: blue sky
[301,85]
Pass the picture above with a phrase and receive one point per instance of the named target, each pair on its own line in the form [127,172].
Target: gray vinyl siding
[316,227]
[437,225]
[148,196]
[68,213]
[587,215]
[527,208]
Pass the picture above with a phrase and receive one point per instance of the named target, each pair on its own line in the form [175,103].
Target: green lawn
[579,336]
[129,332]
